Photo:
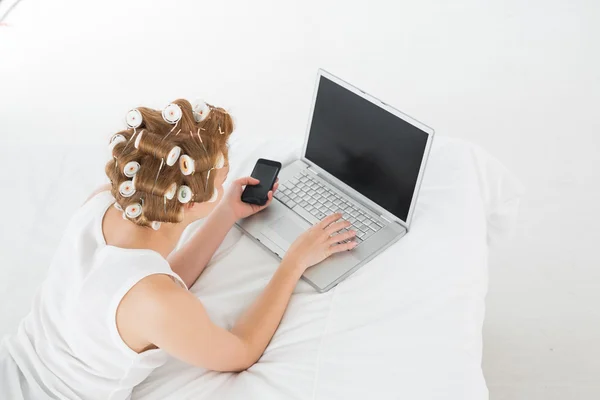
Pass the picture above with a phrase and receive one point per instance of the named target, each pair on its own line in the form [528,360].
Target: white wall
[520,78]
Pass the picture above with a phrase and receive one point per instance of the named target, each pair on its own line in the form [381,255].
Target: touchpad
[287,228]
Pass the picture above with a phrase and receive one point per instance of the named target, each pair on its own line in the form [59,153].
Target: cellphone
[266,172]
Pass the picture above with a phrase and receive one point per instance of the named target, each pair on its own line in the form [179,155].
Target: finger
[246,180]
[343,247]
[325,222]
[269,199]
[336,226]
[341,237]
[275,187]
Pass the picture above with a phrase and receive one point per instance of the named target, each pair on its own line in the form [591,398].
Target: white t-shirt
[68,347]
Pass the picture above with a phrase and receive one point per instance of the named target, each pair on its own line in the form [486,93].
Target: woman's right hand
[317,243]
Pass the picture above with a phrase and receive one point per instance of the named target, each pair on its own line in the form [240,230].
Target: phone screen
[266,173]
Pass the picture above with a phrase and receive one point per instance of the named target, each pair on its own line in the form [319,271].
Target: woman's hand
[232,200]
[317,243]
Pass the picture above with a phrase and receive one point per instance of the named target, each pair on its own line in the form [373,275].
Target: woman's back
[163,177]
[69,345]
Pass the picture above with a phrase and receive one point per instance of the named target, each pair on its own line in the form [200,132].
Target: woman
[115,301]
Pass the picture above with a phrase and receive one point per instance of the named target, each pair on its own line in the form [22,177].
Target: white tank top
[68,347]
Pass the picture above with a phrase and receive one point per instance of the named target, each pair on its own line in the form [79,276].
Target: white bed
[407,325]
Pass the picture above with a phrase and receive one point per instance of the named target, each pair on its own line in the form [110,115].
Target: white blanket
[407,325]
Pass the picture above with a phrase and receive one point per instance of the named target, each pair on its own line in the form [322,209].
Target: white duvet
[405,326]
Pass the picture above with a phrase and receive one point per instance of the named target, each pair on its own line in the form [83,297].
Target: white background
[519,78]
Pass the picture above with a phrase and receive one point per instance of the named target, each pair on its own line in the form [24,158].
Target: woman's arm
[192,258]
[175,321]
[258,324]
[161,313]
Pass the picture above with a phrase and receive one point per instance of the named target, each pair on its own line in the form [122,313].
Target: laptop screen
[371,150]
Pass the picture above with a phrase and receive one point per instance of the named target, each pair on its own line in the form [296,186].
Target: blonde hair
[205,142]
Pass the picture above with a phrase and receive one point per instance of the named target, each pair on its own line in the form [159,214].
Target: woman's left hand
[232,200]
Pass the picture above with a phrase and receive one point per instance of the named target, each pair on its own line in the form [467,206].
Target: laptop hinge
[385,219]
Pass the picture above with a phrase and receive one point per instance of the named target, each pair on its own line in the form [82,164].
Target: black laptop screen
[371,150]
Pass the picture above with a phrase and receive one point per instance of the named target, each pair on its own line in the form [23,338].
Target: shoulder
[143,308]
[156,285]
[144,274]
[135,265]
[150,292]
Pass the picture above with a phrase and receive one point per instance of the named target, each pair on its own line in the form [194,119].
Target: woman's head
[169,160]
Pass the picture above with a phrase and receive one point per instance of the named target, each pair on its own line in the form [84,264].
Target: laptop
[361,157]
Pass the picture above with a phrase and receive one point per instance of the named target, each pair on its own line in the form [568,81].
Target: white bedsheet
[407,325]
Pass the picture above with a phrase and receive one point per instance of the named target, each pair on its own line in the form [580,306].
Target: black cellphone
[266,172]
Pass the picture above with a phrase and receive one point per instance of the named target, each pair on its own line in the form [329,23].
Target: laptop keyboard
[305,193]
